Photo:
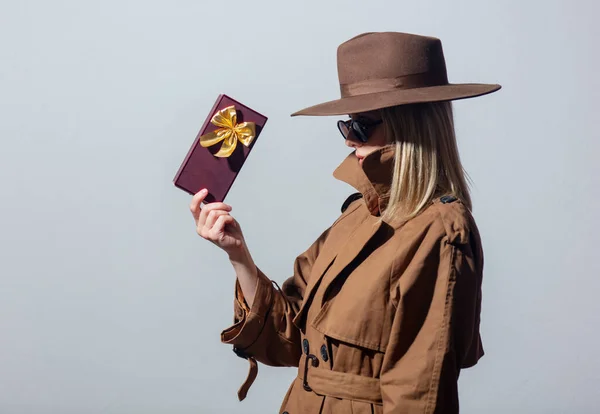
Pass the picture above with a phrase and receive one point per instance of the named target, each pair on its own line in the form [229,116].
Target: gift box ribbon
[229,132]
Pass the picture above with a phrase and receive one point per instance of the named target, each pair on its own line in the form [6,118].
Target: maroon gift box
[202,169]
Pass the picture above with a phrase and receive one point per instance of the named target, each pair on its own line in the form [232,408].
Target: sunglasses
[359,127]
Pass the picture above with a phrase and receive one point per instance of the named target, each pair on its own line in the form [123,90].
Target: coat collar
[373,179]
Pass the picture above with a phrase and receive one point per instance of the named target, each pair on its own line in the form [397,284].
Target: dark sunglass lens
[360,131]
[343,127]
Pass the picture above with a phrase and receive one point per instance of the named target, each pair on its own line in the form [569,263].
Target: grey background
[109,301]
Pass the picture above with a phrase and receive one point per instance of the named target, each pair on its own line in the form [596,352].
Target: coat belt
[323,381]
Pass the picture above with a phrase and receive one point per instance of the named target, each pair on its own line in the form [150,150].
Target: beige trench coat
[377,318]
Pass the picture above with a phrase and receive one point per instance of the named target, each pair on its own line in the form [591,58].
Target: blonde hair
[427,163]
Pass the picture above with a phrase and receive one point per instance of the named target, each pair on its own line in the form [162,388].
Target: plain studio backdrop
[110,303]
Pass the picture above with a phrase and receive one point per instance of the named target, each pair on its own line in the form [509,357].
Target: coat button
[305,346]
[324,353]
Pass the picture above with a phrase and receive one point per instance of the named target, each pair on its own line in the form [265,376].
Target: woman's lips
[360,157]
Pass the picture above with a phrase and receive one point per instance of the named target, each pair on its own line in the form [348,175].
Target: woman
[382,311]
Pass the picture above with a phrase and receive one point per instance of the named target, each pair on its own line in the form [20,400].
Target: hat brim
[378,100]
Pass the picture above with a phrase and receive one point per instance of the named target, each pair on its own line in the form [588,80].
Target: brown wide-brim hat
[379,70]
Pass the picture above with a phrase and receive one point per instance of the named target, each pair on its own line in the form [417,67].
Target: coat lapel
[357,242]
[350,238]
[338,254]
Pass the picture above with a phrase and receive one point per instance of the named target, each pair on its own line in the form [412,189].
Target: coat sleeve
[435,331]
[265,331]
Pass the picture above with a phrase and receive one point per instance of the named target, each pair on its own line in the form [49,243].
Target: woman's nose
[352,143]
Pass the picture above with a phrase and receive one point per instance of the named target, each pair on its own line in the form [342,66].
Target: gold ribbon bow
[230,132]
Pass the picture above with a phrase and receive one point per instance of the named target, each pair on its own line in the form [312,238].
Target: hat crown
[408,59]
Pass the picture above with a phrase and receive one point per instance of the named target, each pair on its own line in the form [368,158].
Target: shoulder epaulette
[455,217]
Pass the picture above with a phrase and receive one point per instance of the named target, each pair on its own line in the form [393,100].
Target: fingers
[197,199]
[211,207]
[218,230]
[212,217]
[201,213]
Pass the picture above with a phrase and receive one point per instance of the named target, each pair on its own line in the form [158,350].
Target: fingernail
[204,191]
